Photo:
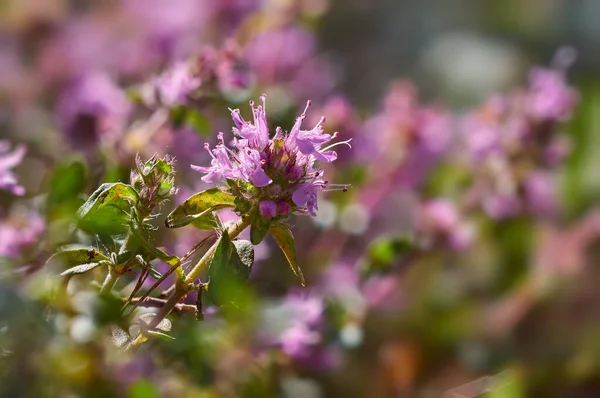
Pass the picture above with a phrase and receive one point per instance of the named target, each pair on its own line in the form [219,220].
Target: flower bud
[283,208]
[268,208]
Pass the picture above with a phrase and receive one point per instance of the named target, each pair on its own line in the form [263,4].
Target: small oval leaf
[198,209]
[83,268]
[70,256]
[285,240]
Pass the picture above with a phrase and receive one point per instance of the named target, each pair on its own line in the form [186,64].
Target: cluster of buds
[278,175]
[154,181]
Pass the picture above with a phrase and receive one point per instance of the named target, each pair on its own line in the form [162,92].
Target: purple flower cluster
[283,168]
[514,143]
[411,138]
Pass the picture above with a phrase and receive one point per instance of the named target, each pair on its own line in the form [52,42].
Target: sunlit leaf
[198,209]
[107,209]
[71,256]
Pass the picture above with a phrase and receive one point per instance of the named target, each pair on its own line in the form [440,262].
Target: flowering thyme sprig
[277,175]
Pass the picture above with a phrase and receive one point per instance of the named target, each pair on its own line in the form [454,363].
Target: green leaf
[228,271]
[285,240]
[83,268]
[198,209]
[108,209]
[125,256]
[71,256]
[259,229]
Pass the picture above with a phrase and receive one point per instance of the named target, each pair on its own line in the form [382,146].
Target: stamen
[347,142]
[342,188]
[308,104]
[207,147]
[263,98]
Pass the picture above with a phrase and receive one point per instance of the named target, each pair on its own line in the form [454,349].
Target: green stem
[109,281]
[233,232]
[180,293]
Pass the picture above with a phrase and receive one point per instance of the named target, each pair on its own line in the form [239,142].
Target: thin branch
[154,302]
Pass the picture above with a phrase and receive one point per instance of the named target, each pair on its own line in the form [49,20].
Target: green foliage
[70,256]
[79,260]
[284,238]
[108,209]
[198,209]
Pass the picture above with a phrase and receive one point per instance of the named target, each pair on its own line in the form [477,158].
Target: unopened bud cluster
[154,180]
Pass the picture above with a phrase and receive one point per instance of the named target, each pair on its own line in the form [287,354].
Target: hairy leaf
[164,325]
[83,268]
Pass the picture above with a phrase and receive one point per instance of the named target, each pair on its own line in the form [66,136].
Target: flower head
[278,171]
